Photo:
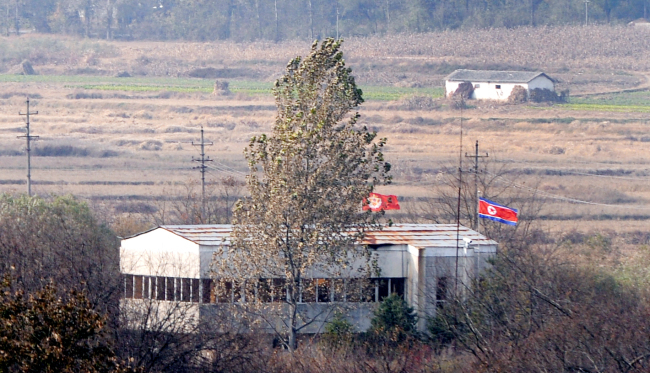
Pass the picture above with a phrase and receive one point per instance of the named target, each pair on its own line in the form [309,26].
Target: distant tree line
[274,20]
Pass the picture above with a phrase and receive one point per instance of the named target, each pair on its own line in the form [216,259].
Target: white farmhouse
[497,85]
[169,265]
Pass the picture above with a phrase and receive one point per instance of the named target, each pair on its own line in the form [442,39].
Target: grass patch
[140,84]
[607,108]
[380,93]
[641,98]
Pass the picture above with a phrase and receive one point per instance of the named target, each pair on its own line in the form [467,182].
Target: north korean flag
[494,211]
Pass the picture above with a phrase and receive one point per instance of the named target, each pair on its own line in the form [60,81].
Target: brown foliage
[464,91]
[535,311]
[543,95]
[518,95]
[47,332]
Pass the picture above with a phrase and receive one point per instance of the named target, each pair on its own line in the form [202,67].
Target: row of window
[496,86]
[317,290]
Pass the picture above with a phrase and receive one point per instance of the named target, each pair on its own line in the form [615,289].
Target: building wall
[160,253]
[428,273]
[541,82]
[499,91]
[494,91]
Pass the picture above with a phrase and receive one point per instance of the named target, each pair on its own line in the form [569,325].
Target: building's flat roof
[425,235]
[417,235]
[207,235]
[494,76]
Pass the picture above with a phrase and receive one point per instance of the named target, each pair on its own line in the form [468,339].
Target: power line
[562,170]
[229,168]
[224,171]
[29,138]
[567,199]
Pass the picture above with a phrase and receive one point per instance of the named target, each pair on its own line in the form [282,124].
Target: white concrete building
[172,264]
[497,85]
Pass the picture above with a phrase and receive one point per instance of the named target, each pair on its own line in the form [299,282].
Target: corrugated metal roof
[494,76]
[425,235]
[208,235]
[417,235]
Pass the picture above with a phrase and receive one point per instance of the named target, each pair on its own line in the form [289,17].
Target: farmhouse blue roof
[494,76]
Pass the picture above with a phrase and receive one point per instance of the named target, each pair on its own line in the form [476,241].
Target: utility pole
[202,168]
[460,186]
[476,157]
[29,138]
[587,12]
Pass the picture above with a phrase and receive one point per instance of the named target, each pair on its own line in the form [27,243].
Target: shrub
[338,332]
[61,151]
[394,319]
[464,91]
[518,95]
[221,88]
[543,95]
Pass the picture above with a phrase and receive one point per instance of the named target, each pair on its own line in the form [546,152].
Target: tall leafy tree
[307,180]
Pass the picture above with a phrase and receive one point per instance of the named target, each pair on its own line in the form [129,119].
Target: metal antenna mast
[476,157]
[202,168]
[29,138]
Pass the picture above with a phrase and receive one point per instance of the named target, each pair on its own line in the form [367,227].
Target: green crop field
[615,102]
[143,84]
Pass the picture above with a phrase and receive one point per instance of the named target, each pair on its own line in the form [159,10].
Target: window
[250,290]
[397,286]
[178,289]
[308,291]
[323,290]
[169,288]
[195,290]
[498,86]
[208,295]
[383,288]
[223,291]
[137,291]
[160,288]
[128,286]
[236,291]
[147,286]
[313,290]
[338,290]
[353,290]
[264,290]
[477,86]
[441,291]
[278,290]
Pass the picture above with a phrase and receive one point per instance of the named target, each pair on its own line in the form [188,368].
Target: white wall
[494,91]
[541,82]
[160,253]
[489,90]
[451,87]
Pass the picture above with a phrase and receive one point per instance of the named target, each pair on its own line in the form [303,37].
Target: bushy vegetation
[268,20]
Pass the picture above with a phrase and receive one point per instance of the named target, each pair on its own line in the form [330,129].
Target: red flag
[378,202]
[494,211]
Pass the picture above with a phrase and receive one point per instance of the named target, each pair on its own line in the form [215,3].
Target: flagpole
[478,220]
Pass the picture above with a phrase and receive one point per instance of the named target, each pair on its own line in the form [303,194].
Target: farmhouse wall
[496,85]
[541,82]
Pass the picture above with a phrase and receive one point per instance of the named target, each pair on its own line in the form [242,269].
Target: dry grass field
[128,140]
